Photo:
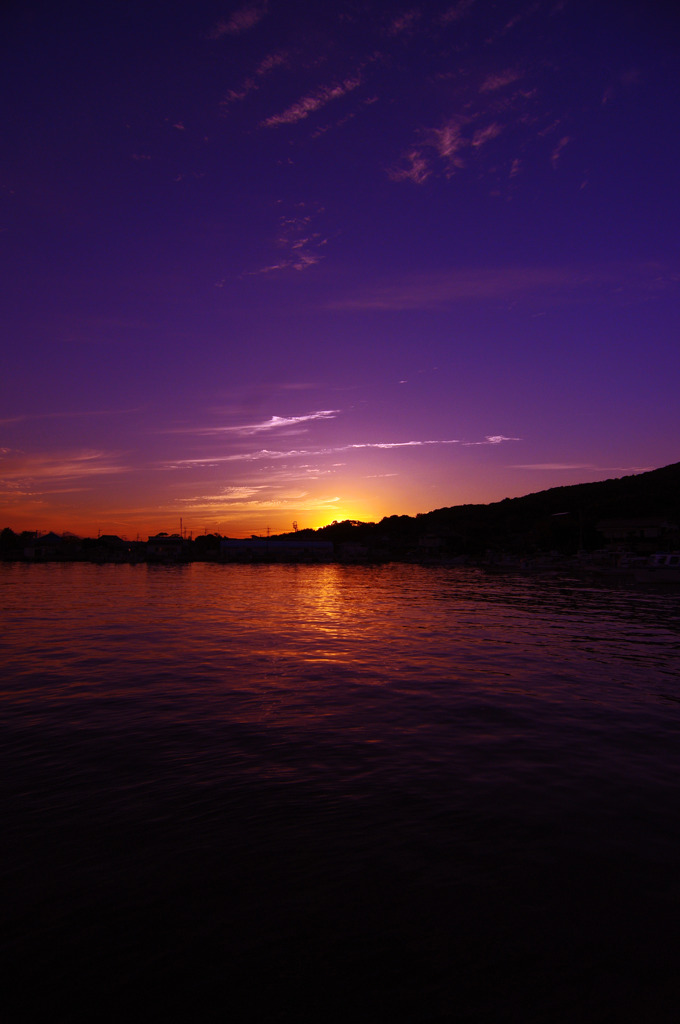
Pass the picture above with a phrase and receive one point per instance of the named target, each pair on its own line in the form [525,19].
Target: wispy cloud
[211,461]
[254,81]
[240,21]
[68,465]
[557,151]
[235,95]
[229,495]
[485,134]
[67,414]
[499,80]
[285,424]
[273,60]
[486,99]
[456,12]
[587,466]
[318,452]
[442,289]
[447,146]
[312,102]
[491,439]
[275,423]
[412,167]
[396,444]
[404,22]
[299,244]
[448,141]
[252,500]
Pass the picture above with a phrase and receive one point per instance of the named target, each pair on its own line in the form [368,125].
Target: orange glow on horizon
[132,510]
[238,525]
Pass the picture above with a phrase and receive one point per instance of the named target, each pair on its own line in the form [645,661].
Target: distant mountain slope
[561,518]
[565,517]
[645,494]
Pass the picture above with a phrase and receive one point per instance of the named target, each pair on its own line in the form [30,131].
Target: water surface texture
[289,793]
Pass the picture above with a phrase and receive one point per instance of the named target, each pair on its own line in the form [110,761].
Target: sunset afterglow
[271,264]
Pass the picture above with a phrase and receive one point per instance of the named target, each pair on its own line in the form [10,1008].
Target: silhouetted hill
[564,519]
[562,516]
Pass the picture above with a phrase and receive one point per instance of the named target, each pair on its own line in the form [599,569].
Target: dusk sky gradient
[285,261]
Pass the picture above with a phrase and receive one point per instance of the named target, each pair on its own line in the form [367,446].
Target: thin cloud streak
[504,284]
[273,423]
[58,466]
[314,101]
[491,439]
[498,80]
[404,22]
[555,466]
[210,505]
[297,240]
[241,21]
[253,82]
[395,444]
[319,452]
[66,415]
[415,169]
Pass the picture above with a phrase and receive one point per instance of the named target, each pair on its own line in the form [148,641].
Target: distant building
[109,547]
[46,548]
[165,548]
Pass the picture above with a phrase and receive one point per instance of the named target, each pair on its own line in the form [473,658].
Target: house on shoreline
[164,547]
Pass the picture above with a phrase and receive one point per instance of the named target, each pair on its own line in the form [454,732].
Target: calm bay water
[338,793]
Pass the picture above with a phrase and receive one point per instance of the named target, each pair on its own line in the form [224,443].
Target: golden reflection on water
[217,631]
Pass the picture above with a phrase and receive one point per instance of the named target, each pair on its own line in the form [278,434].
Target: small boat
[663,567]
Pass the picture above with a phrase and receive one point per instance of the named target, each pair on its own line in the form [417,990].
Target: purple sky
[286,261]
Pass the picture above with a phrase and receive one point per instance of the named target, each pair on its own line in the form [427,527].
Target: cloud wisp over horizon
[317,451]
[505,284]
[272,423]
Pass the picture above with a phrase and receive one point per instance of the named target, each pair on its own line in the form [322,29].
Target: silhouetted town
[611,524]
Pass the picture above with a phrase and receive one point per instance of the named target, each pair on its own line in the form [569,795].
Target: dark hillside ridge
[562,519]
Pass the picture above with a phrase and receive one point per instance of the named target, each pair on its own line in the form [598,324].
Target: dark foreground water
[326,793]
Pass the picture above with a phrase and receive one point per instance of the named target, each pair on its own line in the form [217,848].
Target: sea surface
[338,793]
